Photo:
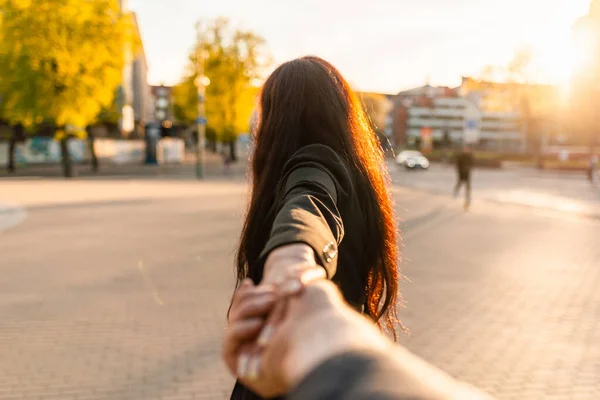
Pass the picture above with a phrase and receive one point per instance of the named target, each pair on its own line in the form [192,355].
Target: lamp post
[201,83]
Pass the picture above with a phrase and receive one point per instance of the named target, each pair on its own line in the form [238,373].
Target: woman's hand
[249,308]
[292,266]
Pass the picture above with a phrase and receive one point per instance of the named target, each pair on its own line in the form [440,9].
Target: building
[135,93]
[484,114]
[585,83]
[142,96]
[421,108]
[516,116]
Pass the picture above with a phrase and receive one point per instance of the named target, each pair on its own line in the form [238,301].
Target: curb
[11,215]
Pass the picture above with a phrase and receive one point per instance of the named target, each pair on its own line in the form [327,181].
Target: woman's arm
[308,227]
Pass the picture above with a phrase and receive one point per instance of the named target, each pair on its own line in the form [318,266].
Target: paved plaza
[118,289]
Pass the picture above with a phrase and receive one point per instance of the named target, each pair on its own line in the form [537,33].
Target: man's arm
[372,375]
[324,350]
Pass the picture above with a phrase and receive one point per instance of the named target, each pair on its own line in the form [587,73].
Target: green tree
[233,60]
[60,62]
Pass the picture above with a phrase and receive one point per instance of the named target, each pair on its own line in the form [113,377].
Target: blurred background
[125,135]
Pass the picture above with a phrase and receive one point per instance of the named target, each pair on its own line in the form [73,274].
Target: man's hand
[315,326]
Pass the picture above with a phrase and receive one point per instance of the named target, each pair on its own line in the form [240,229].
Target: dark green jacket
[317,203]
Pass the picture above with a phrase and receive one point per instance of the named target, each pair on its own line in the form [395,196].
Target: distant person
[320,206]
[322,349]
[464,165]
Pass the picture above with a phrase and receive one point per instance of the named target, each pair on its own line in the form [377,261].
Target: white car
[412,159]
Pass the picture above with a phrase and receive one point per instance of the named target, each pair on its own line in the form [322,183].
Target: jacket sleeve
[365,375]
[314,182]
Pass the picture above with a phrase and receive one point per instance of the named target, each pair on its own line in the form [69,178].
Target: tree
[60,62]
[233,60]
[537,104]
[377,107]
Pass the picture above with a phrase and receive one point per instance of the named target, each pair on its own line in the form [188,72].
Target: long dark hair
[307,101]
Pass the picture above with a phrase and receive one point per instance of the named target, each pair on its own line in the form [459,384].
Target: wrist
[328,338]
[288,257]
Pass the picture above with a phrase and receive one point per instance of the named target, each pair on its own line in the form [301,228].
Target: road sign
[201,121]
[426,139]
[471,131]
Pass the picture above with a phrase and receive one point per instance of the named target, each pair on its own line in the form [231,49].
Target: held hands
[256,312]
[303,339]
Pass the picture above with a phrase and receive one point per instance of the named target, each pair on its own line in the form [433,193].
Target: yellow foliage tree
[233,60]
[61,61]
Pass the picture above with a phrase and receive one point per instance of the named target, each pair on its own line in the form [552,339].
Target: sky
[378,45]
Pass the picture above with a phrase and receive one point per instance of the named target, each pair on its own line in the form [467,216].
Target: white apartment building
[443,112]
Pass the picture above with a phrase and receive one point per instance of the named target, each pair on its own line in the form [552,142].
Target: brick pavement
[507,299]
[118,290]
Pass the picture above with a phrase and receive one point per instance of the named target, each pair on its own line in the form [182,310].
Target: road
[117,289]
[568,192]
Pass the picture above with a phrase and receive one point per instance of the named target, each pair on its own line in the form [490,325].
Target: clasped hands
[256,315]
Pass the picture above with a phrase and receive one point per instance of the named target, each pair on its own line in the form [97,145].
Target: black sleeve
[365,375]
[314,182]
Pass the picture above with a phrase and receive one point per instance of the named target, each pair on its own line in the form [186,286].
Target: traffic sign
[201,121]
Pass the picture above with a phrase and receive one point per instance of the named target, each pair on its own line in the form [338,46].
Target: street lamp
[201,83]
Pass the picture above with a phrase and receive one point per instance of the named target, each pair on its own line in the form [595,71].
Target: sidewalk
[213,169]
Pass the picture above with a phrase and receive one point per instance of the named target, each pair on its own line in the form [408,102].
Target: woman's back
[318,179]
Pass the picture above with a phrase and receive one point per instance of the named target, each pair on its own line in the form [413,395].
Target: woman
[319,200]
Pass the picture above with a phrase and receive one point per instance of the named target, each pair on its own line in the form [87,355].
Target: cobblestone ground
[118,290]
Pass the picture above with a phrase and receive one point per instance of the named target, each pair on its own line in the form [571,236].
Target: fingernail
[291,287]
[242,367]
[253,367]
[265,336]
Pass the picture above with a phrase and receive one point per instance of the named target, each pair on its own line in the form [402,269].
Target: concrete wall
[47,151]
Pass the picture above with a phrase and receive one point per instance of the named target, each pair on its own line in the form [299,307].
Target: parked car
[412,159]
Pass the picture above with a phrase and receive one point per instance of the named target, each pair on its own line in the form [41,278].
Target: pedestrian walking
[464,165]
[320,208]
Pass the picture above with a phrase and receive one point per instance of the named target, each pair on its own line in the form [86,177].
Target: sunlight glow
[557,52]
